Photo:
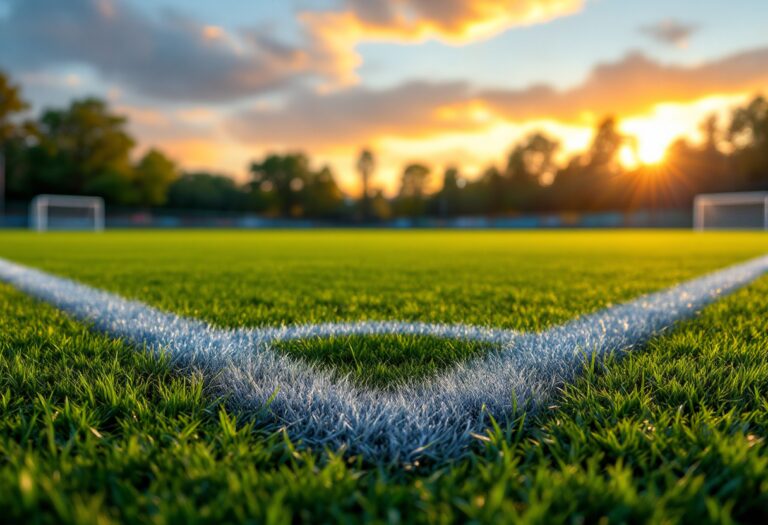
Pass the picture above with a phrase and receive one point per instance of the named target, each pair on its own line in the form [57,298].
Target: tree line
[86,149]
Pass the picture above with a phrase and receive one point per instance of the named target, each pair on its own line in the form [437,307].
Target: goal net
[746,210]
[66,212]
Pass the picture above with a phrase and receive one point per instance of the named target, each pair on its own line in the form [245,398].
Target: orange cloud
[634,85]
[444,122]
[143,116]
[212,32]
[197,116]
[336,33]
[354,115]
[360,115]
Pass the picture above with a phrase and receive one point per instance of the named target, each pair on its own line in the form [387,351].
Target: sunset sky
[218,83]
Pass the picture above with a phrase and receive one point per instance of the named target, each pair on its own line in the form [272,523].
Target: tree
[749,125]
[286,175]
[450,194]
[413,188]
[588,182]
[606,145]
[710,128]
[748,136]
[533,160]
[11,104]
[493,181]
[365,167]
[84,149]
[289,182]
[205,191]
[380,206]
[414,181]
[323,198]
[530,165]
[152,176]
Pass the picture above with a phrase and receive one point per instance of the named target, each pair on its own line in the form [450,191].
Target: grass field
[93,431]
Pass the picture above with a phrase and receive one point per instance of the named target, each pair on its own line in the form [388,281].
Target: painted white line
[433,419]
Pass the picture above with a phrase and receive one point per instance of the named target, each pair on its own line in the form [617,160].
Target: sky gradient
[217,84]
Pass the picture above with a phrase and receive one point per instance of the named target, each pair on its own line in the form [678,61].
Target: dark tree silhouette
[323,198]
[296,189]
[153,175]
[286,175]
[11,104]
[530,165]
[413,189]
[532,162]
[205,191]
[84,149]
[748,136]
[365,167]
[450,194]
[603,153]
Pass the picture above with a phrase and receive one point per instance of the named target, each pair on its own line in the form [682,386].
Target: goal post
[71,212]
[738,210]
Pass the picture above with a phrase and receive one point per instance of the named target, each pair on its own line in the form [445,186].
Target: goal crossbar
[38,209]
[700,202]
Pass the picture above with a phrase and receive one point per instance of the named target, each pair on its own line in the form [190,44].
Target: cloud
[348,116]
[359,115]
[334,34]
[455,21]
[634,85]
[50,79]
[170,56]
[143,116]
[670,32]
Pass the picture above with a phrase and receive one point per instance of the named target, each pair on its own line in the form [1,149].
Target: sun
[647,148]
[651,135]
[652,149]
[628,157]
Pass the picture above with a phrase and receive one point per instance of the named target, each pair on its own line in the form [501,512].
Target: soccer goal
[66,212]
[744,210]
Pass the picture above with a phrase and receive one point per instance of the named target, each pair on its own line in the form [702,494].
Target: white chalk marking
[436,418]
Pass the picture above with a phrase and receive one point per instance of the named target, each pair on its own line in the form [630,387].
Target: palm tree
[365,166]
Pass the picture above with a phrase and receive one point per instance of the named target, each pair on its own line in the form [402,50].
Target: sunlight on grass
[94,431]
[519,280]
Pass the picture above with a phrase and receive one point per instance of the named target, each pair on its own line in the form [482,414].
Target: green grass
[383,361]
[92,431]
[521,280]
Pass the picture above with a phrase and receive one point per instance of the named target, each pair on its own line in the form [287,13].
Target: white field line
[436,418]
